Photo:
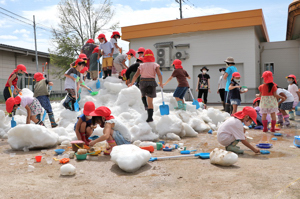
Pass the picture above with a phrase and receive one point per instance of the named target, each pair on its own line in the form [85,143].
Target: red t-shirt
[181,76]
[14,82]
[264,90]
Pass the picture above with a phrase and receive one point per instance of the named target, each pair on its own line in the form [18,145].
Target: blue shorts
[118,137]
[45,102]
[180,92]
[235,102]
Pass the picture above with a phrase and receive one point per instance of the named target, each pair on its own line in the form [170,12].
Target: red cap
[268,77]
[90,41]
[123,72]
[236,74]
[82,56]
[10,102]
[78,61]
[17,100]
[84,70]
[115,33]
[149,56]
[38,76]
[22,67]
[88,108]
[102,36]
[141,59]
[256,99]
[177,63]
[141,50]
[247,111]
[96,50]
[102,111]
[199,100]
[131,52]
[292,76]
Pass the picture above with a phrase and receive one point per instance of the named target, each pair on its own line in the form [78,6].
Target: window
[269,67]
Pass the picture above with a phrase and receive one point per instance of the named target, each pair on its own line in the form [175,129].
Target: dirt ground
[253,176]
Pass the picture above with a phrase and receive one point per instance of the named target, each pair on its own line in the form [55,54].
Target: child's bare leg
[264,116]
[150,102]
[234,108]
[273,116]
[82,132]
[82,128]
[33,118]
[88,131]
[178,99]
[282,112]
[111,142]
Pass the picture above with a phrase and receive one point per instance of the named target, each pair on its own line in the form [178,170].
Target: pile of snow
[222,157]
[129,157]
[31,136]
[127,107]
[67,170]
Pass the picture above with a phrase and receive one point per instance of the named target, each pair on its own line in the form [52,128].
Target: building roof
[15,49]
[293,24]
[204,23]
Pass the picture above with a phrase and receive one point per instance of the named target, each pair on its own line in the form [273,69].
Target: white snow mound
[222,157]
[67,170]
[129,157]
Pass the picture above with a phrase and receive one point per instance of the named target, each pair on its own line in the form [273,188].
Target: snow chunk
[67,170]
[222,157]
[129,157]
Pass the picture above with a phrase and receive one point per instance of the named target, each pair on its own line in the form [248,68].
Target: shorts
[235,102]
[71,92]
[35,107]
[118,137]
[148,87]
[119,67]
[286,106]
[45,102]
[106,62]
[94,74]
[180,92]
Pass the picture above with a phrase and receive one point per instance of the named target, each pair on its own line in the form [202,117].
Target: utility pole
[36,55]
[180,7]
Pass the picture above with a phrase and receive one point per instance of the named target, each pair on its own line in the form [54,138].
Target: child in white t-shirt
[232,130]
[285,104]
[293,89]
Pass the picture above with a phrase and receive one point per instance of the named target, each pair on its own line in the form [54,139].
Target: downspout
[260,63]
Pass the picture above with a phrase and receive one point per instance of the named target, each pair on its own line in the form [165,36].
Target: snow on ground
[126,106]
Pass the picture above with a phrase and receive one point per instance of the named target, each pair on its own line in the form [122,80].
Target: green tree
[79,21]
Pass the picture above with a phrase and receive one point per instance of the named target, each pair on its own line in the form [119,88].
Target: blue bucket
[297,109]
[297,141]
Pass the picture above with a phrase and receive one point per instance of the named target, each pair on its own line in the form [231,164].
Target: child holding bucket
[148,71]
[31,104]
[268,103]
[183,84]
[232,131]
[293,89]
[114,133]
[41,93]
[83,127]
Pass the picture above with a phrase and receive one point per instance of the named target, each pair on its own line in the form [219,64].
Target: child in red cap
[130,72]
[41,93]
[235,91]
[114,41]
[119,61]
[31,104]
[70,83]
[268,103]
[141,51]
[183,84]
[107,51]
[293,89]
[83,127]
[284,105]
[114,132]
[94,71]
[148,71]
[255,105]
[232,130]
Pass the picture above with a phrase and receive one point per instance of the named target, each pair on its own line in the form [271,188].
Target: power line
[15,18]
[15,14]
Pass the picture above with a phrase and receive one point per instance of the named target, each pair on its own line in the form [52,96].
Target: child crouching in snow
[232,130]
[183,84]
[83,127]
[31,104]
[113,131]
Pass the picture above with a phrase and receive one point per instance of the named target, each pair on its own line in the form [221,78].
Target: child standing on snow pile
[31,104]
[148,71]
[119,61]
[41,93]
[130,72]
[235,91]
[70,83]
[183,84]
[268,103]
[94,71]
[114,41]
[293,89]
[284,105]
[107,51]
[203,84]
[113,131]
[83,127]
[232,131]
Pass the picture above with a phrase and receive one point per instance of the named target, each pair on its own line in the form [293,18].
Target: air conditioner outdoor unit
[182,55]
[163,57]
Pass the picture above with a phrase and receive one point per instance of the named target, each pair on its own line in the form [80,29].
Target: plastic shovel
[93,93]
[164,109]
[187,151]
[98,81]
[195,102]
[200,155]
[76,105]
[13,123]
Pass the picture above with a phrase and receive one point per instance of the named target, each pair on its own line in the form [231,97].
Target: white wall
[211,48]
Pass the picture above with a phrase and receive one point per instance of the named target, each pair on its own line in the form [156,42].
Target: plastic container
[77,142]
[159,146]
[163,142]
[49,160]
[82,156]
[59,151]
[264,145]
[297,141]
[38,158]
[297,109]
[148,148]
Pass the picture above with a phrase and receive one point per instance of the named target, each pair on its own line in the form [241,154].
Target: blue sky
[131,12]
